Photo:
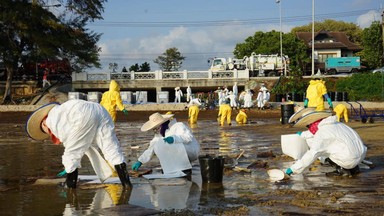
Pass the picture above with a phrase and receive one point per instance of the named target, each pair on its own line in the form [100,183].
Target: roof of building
[339,40]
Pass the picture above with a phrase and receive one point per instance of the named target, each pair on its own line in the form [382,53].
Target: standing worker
[193,110]
[77,124]
[189,93]
[225,112]
[111,99]
[242,117]
[334,141]
[341,112]
[45,78]
[178,95]
[173,143]
[315,93]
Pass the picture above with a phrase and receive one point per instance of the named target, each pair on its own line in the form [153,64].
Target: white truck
[256,64]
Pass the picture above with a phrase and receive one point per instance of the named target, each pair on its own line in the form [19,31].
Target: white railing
[161,75]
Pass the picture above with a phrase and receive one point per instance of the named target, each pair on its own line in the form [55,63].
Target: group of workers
[79,124]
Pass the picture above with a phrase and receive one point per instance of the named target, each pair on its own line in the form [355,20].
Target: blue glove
[306,103]
[136,165]
[62,173]
[299,133]
[289,171]
[169,140]
[125,112]
[330,102]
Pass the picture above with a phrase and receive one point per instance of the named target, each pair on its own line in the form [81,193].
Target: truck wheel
[364,120]
[272,74]
[354,70]
[371,120]
[332,72]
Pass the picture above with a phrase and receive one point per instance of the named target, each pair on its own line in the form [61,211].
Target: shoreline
[182,106]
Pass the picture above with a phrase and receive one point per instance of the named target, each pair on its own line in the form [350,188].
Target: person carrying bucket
[112,99]
[315,93]
[173,143]
[77,124]
[327,138]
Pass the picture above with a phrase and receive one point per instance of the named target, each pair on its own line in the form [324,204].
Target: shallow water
[23,160]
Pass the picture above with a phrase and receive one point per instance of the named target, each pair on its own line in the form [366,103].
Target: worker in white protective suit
[260,99]
[327,138]
[248,99]
[77,124]
[235,90]
[189,93]
[178,95]
[232,99]
[173,143]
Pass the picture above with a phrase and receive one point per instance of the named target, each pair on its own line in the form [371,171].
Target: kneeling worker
[327,138]
[173,143]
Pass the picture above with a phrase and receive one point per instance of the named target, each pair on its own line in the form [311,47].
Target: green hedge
[363,86]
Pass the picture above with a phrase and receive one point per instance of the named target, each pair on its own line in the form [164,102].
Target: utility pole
[382,34]
[313,37]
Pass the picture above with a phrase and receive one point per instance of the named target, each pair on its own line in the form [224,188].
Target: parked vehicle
[257,64]
[378,70]
[342,65]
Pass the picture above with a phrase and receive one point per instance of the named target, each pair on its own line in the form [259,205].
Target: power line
[163,24]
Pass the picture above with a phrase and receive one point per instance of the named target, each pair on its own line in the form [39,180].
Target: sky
[138,31]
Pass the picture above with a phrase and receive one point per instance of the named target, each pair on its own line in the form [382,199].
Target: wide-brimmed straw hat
[311,117]
[155,120]
[300,112]
[33,126]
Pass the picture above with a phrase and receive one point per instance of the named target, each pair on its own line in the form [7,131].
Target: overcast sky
[137,31]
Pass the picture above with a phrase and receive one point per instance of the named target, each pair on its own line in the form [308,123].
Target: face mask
[313,128]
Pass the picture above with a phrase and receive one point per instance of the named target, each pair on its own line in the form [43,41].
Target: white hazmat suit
[333,140]
[78,124]
[182,135]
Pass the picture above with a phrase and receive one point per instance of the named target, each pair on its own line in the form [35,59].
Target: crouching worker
[77,124]
[173,143]
[327,138]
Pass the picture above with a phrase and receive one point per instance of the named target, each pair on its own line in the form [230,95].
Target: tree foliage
[269,43]
[29,32]
[145,67]
[372,54]
[170,60]
[352,30]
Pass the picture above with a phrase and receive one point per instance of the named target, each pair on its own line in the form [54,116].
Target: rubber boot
[123,175]
[72,179]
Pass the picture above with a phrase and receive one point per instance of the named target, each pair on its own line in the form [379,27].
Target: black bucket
[211,168]
[287,111]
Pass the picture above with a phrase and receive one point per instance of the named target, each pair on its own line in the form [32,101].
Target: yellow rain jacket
[193,113]
[241,117]
[341,110]
[225,112]
[315,92]
[111,99]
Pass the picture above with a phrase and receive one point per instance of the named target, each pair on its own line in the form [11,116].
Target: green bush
[363,86]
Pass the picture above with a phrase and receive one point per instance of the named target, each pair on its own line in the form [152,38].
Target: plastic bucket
[211,168]
[287,111]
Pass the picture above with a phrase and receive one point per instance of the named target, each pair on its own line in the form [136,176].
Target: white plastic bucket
[293,145]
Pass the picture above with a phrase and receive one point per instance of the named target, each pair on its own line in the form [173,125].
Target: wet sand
[244,192]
